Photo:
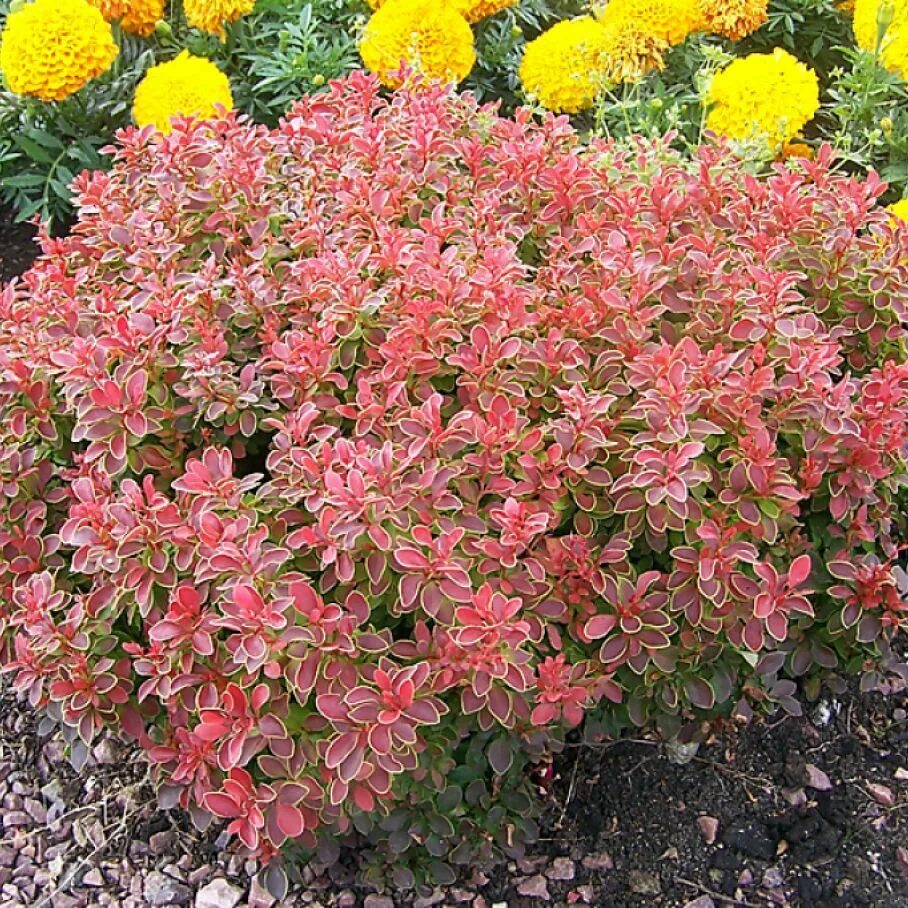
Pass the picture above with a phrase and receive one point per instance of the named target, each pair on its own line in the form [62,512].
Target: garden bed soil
[17,245]
[805,812]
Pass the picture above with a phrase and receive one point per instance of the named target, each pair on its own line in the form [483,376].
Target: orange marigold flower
[734,19]
[138,17]
[210,15]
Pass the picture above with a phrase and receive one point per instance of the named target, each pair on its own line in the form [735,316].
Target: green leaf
[24,181]
[35,151]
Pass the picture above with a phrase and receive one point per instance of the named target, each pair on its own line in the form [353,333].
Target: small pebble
[772,878]
[561,869]
[534,887]
[218,894]
[378,901]
[601,861]
[702,901]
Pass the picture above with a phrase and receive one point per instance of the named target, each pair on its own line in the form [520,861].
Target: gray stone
[16,818]
[94,877]
[259,897]
[218,894]
[601,861]
[36,810]
[561,869]
[534,887]
[160,889]
[378,901]
[772,878]
[106,752]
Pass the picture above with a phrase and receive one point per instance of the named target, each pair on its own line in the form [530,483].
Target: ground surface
[796,812]
[792,812]
[17,248]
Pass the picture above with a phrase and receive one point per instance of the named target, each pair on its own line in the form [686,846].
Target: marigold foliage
[765,97]
[51,48]
[429,37]
[138,17]
[884,26]
[346,465]
[210,15]
[564,68]
[671,21]
[734,19]
[186,86]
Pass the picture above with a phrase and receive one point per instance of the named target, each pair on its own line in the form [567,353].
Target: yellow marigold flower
[428,35]
[669,20]
[185,86]
[138,17]
[899,210]
[563,68]
[631,50]
[733,18]
[884,22]
[210,15]
[51,48]
[765,97]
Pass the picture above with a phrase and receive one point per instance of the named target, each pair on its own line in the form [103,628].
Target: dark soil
[803,812]
[17,245]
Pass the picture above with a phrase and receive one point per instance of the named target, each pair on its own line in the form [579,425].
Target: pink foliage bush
[346,465]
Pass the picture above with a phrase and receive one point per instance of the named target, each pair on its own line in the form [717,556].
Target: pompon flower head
[796,148]
[899,210]
[51,48]
[210,15]
[631,50]
[471,10]
[733,19]
[669,20]
[185,86]
[476,10]
[138,17]
[883,25]
[428,36]
[563,69]
[762,97]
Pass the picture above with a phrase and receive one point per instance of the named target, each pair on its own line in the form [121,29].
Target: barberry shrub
[348,465]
